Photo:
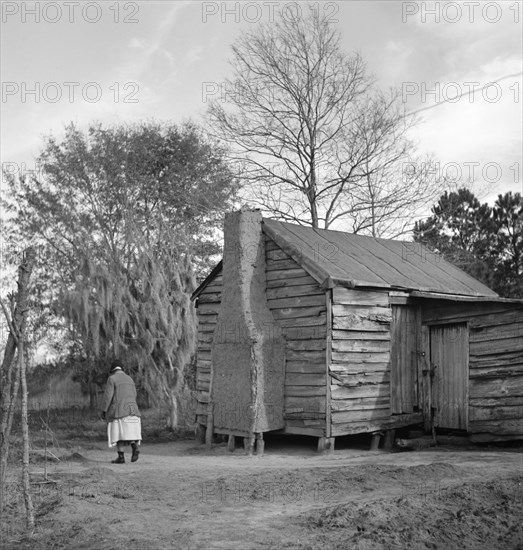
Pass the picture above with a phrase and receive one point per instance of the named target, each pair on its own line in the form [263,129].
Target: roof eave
[217,268]
[463,297]
[419,293]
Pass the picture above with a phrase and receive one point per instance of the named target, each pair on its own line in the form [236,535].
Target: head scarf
[116,365]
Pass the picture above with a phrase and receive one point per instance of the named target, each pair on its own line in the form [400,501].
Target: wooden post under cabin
[200,433]
[248,444]
[389,439]
[260,444]
[375,441]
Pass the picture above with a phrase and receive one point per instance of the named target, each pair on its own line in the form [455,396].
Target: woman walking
[120,410]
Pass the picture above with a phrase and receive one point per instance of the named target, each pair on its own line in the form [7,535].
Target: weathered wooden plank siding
[360,361]
[495,363]
[405,332]
[298,305]
[449,354]
[208,308]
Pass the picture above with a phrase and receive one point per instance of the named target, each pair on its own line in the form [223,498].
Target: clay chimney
[248,349]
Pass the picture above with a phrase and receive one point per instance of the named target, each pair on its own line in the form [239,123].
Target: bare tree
[313,135]
[26,485]
[387,203]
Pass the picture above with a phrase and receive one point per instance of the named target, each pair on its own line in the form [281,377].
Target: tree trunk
[173,411]
[8,364]
[311,195]
[93,405]
[29,509]
[10,371]
[4,436]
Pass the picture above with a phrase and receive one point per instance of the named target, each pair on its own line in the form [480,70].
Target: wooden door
[449,350]
[404,393]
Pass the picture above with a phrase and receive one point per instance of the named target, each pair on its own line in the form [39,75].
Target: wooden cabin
[326,333]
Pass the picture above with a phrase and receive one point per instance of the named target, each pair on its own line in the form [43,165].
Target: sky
[458,64]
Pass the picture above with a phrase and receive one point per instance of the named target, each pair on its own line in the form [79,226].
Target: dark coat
[120,397]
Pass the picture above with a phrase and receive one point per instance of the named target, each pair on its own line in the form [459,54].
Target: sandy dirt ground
[179,496]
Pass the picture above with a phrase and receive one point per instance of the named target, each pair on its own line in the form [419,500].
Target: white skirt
[128,428]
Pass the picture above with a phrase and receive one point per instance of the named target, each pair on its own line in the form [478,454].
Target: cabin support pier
[209,431]
[326,444]
[375,441]
[260,444]
[200,433]
[389,439]
[251,443]
[248,445]
[254,443]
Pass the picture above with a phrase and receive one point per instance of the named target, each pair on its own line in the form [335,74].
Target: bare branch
[307,117]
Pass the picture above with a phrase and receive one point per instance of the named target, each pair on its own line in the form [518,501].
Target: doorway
[449,352]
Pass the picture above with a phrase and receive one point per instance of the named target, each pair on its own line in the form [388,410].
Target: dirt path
[178,496]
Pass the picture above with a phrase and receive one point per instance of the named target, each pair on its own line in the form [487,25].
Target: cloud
[194,55]
[140,62]
[138,43]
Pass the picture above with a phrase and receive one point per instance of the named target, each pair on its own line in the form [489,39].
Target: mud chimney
[248,349]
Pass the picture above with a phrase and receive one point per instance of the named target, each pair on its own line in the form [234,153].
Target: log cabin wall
[364,398]
[207,311]
[495,362]
[360,360]
[298,305]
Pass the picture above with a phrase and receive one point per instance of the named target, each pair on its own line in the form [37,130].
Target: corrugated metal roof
[338,258]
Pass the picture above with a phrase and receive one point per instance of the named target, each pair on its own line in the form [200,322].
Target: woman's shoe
[136,452]
[120,459]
